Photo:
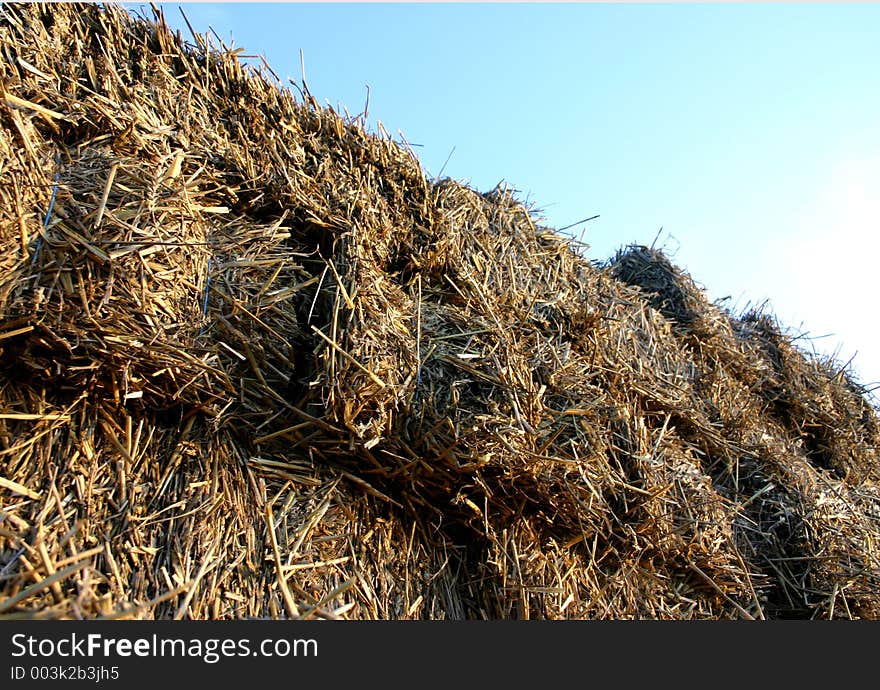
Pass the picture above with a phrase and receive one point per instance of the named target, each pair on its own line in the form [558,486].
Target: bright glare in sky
[750,133]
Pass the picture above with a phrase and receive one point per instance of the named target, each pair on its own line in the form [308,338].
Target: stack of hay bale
[254,364]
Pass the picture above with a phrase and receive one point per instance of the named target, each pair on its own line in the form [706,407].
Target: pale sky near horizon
[749,132]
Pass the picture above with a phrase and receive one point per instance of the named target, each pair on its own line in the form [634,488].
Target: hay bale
[255,364]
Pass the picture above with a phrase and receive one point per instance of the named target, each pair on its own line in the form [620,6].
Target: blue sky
[749,132]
